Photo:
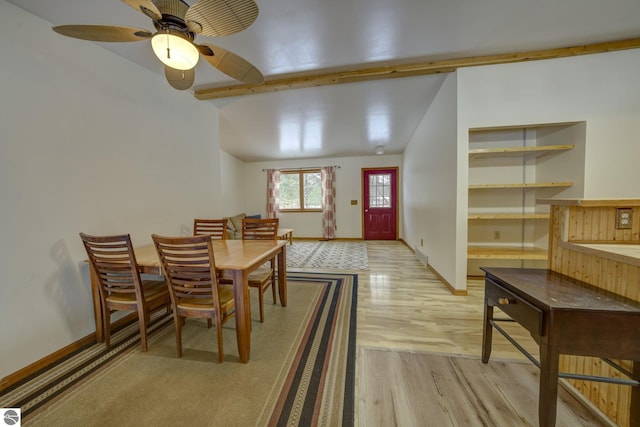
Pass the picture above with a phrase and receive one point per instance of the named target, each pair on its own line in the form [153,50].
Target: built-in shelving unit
[509,169]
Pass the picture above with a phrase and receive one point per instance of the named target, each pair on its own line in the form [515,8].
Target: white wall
[88,142]
[430,192]
[348,187]
[232,199]
[601,89]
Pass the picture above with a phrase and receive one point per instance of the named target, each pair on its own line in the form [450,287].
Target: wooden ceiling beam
[299,81]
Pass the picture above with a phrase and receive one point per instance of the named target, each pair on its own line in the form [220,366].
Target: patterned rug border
[55,381]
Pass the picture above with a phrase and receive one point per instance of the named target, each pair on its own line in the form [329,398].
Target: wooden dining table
[240,258]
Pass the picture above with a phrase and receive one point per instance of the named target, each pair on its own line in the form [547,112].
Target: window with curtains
[301,191]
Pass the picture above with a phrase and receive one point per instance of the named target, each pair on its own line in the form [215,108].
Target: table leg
[243,313]
[634,416]
[282,276]
[548,394]
[487,332]
[97,305]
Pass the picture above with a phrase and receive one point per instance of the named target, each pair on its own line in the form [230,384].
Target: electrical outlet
[496,235]
[623,218]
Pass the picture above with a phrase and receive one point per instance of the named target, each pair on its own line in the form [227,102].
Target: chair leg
[178,322]
[261,302]
[143,319]
[219,336]
[106,322]
[209,323]
[273,289]
[273,280]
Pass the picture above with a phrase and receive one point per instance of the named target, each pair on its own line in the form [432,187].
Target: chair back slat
[114,263]
[189,266]
[260,228]
[190,270]
[116,275]
[216,228]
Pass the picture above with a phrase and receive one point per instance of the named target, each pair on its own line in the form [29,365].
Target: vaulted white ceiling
[294,36]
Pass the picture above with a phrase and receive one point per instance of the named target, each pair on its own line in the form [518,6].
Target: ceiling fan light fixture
[175,51]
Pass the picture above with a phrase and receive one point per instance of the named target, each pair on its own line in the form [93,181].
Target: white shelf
[505,252]
[497,216]
[528,152]
[525,185]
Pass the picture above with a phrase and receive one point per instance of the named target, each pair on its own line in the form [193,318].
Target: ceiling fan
[176,25]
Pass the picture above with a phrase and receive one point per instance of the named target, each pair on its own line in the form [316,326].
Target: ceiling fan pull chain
[168,50]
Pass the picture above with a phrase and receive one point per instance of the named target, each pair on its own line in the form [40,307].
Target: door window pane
[380,190]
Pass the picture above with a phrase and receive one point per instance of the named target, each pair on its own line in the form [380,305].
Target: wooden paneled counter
[586,244]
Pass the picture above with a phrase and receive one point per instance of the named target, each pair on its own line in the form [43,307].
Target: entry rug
[327,255]
[301,371]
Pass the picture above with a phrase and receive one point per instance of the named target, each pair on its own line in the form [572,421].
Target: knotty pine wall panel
[596,224]
[599,224]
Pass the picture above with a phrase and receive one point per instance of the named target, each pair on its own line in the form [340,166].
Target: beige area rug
[441,390]
[301,371]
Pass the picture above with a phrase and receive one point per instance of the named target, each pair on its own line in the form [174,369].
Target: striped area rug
[301,372]
[48,385]
[319,389]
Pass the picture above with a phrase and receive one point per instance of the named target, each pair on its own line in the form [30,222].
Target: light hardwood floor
[402,307]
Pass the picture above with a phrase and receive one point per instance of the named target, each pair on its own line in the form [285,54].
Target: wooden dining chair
[216,228]
[264,276]
[115,270]
[190,270]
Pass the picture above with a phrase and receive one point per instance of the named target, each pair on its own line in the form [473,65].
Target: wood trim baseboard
[597,412]
[452,289]
[322,239]
[60,354]
[407,245]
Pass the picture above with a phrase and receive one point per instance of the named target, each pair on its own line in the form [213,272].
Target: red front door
[380,204]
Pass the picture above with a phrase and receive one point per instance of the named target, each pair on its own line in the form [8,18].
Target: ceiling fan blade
[221,17]
[180,79]
[103,33]
[231,64]
[145,7]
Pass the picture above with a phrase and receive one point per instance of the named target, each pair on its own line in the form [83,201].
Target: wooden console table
[564,316]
